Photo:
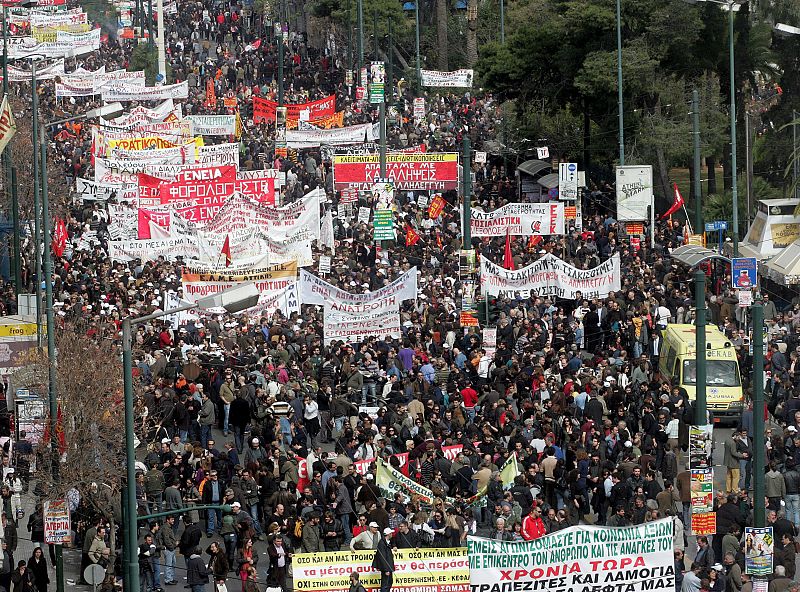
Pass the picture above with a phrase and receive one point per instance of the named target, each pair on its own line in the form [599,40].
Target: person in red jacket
[532,524]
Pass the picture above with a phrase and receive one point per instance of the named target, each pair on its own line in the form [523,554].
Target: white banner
[270,280]
[141,115]
[44,19]
[353,328]
[28,47]
[519,219]
[316,291]
[634,193]
[88,39]
[148,250]
[550,276]
[128,92]
[90,191]
[355,134]
[219,155]
[630,559]
[214,125]
[457,79]
[285,301]
[42,72]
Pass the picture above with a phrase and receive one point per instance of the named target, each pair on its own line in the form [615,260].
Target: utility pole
[150,40]
[51,343]
[416,32]
[794,152]
[36,218]
[700,346]
[757,310]
[748,163]
[360,41]
[376,57]
[162,53]
[619,88]
[698,189]
[9,174]
[466,180]
[279,34]
[390,68]
[734,188]
[15,224]
[382,113]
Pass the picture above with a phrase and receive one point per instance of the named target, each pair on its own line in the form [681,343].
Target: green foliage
[144,58]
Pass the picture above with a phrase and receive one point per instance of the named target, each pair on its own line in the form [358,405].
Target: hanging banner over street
[199,282]
[216,184]
[264,110]
[42,72]
[353,134]
[316,291]
[213,125]
[634,192]
[423,171]
[149,250]
[416,570]
[128,92]
[550,276]
[456,79]
[628,559]
[519,219]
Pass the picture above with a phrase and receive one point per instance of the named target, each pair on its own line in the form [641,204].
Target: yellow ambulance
[677,364]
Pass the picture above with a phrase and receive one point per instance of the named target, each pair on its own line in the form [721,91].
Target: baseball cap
[373,525]
[236,505]
[388,531]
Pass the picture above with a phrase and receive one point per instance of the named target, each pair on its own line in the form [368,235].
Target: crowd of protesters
[259,414]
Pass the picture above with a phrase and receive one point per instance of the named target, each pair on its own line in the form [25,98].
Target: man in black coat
[405,537]
[384,560]
[190,538]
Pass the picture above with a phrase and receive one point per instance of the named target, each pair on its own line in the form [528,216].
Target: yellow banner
[49,34]
[201,273]
[150,143]
[18,330]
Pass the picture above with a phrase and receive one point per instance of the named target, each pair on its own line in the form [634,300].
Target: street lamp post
[232,300]
[734,188]
[619,87]
[8,172]
[52,365]
[502,22]
[732,7]
[416,40]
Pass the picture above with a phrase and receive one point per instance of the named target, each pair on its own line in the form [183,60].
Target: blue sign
[744,273]
[716,226]
[552,193]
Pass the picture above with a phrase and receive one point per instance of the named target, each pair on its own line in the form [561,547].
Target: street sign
[744,272]
[716,226]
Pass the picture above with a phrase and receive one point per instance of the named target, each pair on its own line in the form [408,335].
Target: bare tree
[90,430]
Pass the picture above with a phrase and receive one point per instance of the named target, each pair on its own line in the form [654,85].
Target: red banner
[214,185]
[264,109]
[435,171]
[211,94]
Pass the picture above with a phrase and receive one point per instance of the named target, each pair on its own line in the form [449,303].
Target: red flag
[412,237]
[439,239]
[226,250]
[59,237]
[508,260]
[60,436]
[677,203]
[436,207]
[534,240]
